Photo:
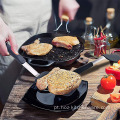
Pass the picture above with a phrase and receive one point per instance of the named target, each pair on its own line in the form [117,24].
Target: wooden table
[15,108]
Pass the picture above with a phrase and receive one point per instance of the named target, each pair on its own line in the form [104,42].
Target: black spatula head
[112,57]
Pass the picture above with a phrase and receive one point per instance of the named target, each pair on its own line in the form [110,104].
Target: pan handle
[40,63]
[66,19]
[83,68]
[89,65]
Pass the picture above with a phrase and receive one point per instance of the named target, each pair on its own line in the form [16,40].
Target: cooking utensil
[22,61]
[64,18]
[110,57]
[57,56]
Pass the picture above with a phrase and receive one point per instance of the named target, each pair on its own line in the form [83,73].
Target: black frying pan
[57,56]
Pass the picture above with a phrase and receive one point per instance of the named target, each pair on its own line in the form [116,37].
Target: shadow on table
[29,113]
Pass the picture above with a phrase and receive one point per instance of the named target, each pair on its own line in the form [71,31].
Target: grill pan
[57,56]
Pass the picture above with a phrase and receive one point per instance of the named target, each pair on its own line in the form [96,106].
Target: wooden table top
[15,108]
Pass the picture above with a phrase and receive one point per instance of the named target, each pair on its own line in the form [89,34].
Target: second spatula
[110,57]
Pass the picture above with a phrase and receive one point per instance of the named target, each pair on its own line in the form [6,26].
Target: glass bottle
[112,37]
[88,36]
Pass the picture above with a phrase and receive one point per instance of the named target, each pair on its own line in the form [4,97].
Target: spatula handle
[19,58]
[89,65]
[22,61]
[83,68]
[65,18]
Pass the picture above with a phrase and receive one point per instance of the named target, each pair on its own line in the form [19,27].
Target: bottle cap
[89,20]
[110,13]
